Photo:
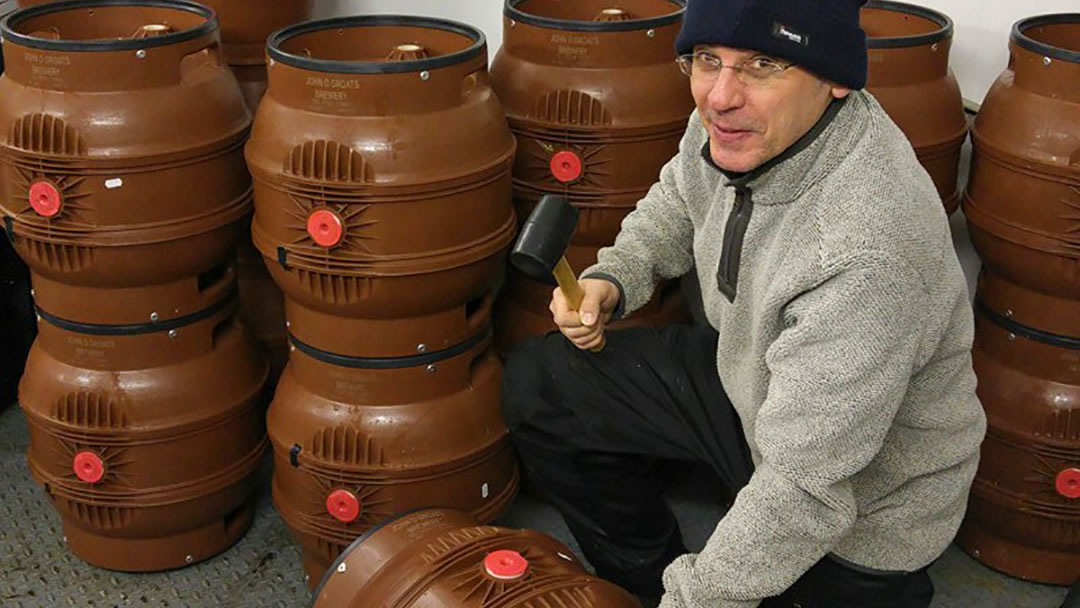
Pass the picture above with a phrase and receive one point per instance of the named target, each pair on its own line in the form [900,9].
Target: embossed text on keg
[562,38]
[332,83]
[331,95]
[572,50]
[91,342]
[47,59]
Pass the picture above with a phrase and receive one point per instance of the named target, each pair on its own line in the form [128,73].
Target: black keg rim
[1031,333]
[391,362]
[511,11]
[137,329]
[360,540]
[339,66]
[19,16]
[1046,50]
[945,29]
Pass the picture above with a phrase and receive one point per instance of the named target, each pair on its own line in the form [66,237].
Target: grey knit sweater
[845,346]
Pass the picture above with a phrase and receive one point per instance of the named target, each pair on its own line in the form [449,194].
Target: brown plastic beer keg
[382,165]
[381,161]
[598,106]
[908,55]
[438,558]
[1023,199]
[356,441]
[123,172]
[1024,511]
[147,440]
[245,25]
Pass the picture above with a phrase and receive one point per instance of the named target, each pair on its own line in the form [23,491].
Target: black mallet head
[544,237]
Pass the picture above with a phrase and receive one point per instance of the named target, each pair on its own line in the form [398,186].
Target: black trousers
[591,430]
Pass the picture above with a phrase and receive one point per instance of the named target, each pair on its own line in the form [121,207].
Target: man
[834,391]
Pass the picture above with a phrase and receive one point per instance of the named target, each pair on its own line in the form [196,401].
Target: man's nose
[727,92]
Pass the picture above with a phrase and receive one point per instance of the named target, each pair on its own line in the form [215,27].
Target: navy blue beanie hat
[822,36]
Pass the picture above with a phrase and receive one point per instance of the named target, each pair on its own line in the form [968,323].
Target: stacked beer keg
[124,190]
[598,106]
[17,326]
[908,73]
[245,25]
[1023,208]
[382,166]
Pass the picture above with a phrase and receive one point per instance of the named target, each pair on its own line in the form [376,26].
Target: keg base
[1021,561]
[165,553]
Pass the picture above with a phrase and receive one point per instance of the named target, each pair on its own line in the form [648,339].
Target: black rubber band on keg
[10,35]
[343,66]
[1046,50]
[389,362]
[894,42]
[511,11]
[359,541]
[93,329]
[1024,331]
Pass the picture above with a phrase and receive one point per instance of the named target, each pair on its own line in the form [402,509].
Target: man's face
[751,120]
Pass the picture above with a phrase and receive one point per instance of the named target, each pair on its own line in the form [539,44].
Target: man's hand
[585,327]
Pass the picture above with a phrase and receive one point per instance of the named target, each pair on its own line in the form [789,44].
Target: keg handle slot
[484,357]
[234,520]
[223,329]
[202,64]
[473,80]
[478,312]
[214,283]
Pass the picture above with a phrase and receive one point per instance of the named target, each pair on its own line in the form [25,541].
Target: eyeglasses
[755,70]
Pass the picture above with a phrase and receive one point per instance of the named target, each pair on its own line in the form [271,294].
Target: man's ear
[839,92]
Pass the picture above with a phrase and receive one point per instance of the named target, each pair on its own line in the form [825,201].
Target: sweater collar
[783,178]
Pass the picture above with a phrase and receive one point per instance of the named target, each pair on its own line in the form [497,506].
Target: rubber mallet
[541,248]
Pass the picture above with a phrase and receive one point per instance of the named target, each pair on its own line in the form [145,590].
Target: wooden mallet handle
[567,280]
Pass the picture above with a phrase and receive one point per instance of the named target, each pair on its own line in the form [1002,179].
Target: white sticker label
[484,491]
[115,182]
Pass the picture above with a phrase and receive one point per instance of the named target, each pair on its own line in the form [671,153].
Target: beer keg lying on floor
[438,558]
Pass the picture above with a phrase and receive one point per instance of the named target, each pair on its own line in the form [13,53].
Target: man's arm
[839,373]
[654,243]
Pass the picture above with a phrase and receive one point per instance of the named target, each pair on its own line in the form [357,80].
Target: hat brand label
[779,30]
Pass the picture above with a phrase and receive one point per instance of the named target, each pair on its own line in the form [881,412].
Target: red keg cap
[343,505]
[505,565]
[1068,483]
[566,166]
[45,199]
[89,467]
[325,228]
